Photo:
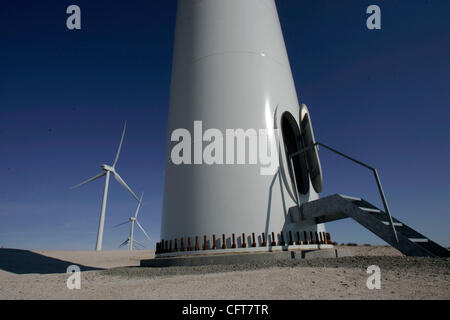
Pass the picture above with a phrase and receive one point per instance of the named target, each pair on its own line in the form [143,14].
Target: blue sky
[381,96]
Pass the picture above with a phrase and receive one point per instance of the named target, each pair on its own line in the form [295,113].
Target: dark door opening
[312,158]
[293,142]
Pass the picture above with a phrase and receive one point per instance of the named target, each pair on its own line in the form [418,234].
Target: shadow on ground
[25,261]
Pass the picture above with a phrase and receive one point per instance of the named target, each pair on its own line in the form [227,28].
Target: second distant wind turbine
[107,170]
[130,241]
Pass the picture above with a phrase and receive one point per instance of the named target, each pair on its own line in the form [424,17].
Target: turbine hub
[107,167]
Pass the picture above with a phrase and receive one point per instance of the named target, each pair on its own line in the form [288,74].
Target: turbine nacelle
[107,168]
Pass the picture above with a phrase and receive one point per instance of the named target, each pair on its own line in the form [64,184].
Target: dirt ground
[116,275]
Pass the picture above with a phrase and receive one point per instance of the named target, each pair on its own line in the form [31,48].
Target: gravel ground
[343,278]
[412,265]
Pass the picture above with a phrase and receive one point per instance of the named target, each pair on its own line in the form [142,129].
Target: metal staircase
[335,207]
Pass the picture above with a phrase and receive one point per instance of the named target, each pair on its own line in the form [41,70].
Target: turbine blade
[120,145]
[123,243]
[89,180]
[139,206]
[121,223]
[139,225]
[120,180]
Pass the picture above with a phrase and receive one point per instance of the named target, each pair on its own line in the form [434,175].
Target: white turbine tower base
[107,170]
[130,240]
[231,71]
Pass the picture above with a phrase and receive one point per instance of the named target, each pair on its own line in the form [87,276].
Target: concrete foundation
[245,257]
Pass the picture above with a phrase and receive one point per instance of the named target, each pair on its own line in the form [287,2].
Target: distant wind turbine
[107,170]
[132,220]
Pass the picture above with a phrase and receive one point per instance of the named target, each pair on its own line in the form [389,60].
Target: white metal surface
[101,224]
[230,70]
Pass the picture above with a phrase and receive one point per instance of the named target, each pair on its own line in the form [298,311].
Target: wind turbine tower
[231,71]
[132,220]
[107,171]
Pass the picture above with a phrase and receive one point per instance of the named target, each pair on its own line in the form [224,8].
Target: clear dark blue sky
[381,96]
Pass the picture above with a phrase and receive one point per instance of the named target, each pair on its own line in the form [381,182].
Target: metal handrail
[377,178]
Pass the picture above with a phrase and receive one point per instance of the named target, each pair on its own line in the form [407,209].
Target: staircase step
[418,239]
[370,210]
[396,224]
[335,207]
[409,232]
[351,198]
